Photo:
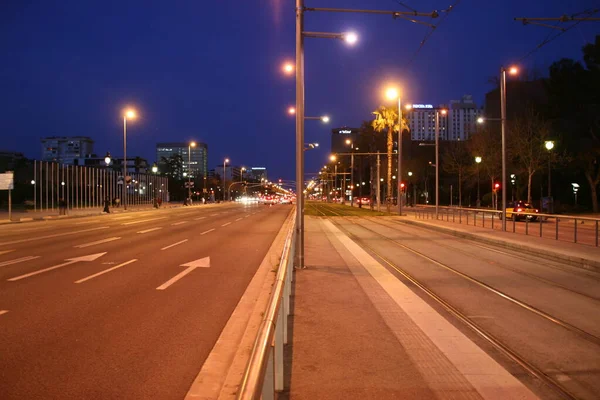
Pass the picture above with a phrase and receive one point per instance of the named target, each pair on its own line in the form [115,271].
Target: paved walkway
[359,333]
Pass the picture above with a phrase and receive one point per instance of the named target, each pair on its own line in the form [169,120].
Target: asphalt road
[123,306]
[545,312]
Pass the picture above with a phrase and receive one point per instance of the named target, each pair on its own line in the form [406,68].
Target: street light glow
[409,173]
[408,107]
[478,159]
[513,70]
[444,111]
[392,93]
[193,144]
[325,118]
[130,114]
[288,68]
[549,144]
[333,157]
[292,110]
[226,160]
[348,141]
[480,120]
[350,37]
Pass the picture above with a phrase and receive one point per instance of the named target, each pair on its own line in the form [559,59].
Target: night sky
[210,70]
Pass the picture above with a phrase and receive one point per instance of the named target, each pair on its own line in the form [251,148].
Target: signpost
[7,183]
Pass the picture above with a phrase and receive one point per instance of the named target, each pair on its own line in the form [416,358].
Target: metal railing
[264,373]
[584,230]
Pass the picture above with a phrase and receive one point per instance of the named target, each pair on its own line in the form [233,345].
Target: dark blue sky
[209,70]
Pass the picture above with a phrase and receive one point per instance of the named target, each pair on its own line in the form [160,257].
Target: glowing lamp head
[154,170]
[408,107]
[350,37]
[480,120]
[392,93]
[130,114]
[444,112]
[409,173]
[325,118]
[332,157]
[193,144]
[513,70]
[549,145]
[478,159]
[288,68]
[348,141]
[292,110]
[226,160]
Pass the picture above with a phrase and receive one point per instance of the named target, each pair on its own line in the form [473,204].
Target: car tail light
[519,209]
[536,210]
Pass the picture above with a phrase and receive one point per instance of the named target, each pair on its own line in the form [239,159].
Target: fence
[264,373]
[83,186]
[570,228]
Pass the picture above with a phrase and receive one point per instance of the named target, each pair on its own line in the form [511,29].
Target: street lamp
[107,159]
[224,175]
[392,94]
[349,143]
[511,71]
[154,168]
[190,145]
[288,68]
[437,160]
[127,114]
[549,144]
[478,161]
[242,174]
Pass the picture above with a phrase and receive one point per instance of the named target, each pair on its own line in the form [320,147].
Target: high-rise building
[462,118]
[256,174]
[457,124]
[339,137]
[65,149]
[421,121]
[198,157]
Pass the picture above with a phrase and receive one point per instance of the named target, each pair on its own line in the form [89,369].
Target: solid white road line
[143,220]
[69,261]
[105,271]
[3,312]
[53,236]
[174,244]
[123,217]
[5,251]
[150,230]
[196,219]
[18,260]
[228,223]
[179,223]
[205,232]
[97,242]
[239,219]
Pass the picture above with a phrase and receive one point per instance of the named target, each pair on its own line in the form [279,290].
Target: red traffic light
[402,185]
[496,186]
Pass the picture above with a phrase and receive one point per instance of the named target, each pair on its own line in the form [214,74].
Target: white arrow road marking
[200,263]
[149,230]
[105,271]
[53,236]
[178,223]
[199,218]
[174,244]
[3,312]
[142,220]
[5,251]
[97,242]
[70,261]
[225,224]
[208,231]
[18,260]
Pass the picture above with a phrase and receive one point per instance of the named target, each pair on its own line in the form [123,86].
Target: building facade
[198,157]
[257,174]
[339,137]
[65,149]
[462,118]
[421,121]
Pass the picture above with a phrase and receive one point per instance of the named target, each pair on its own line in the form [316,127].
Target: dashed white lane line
[87,278]
[18,260]
[205,232]
[199,218]
[89,222]
[179,223]
[53,236]
[5,251]
[247,216]
[81,246]
[227,223]
[174,244]
[143,220]
[123,217]
[212,215]
[149,230]
[3,312]
[239,219]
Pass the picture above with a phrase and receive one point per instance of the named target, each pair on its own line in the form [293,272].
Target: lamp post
[224,176]
[393,94]
[414,200]
[437,160]
[512,71]
[549,144]
[478,161]
[189,171]
[129,114]
[351,144]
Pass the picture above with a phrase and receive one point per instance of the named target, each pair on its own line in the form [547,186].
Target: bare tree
[457,160]
[487,144]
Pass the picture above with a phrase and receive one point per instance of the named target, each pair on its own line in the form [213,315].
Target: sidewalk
[579,255]
[359,333]
[27,216]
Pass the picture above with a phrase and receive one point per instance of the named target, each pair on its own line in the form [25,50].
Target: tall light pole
[512,71]
[437,160]
[189,171]
[393,94]
[549,144]
[349,142]
[224,176]
[129,114]
[478,160]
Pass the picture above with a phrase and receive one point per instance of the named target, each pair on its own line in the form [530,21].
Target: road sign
[120,180]
[7,181]
[189,184]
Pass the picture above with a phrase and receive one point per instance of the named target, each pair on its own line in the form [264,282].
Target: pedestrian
[159,202]
[106,205]
[62,206]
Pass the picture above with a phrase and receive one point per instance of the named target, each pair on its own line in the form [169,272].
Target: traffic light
[513,179]
[402,186]
[496,186]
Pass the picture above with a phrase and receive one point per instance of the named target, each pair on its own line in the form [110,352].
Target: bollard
[575,231]
[541,226]
[556,229]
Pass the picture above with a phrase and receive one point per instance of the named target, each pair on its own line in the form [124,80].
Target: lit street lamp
[478,161]
[192,144]
[128,114]
[549,144]
[107,159]
[393,94]
[224,175]
[154,168]
[512,71]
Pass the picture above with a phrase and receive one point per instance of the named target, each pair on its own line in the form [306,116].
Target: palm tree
[386,118]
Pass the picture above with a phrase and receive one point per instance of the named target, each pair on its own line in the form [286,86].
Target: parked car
[363,200]
[514,211]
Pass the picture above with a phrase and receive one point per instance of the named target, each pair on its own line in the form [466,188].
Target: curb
[584,263]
